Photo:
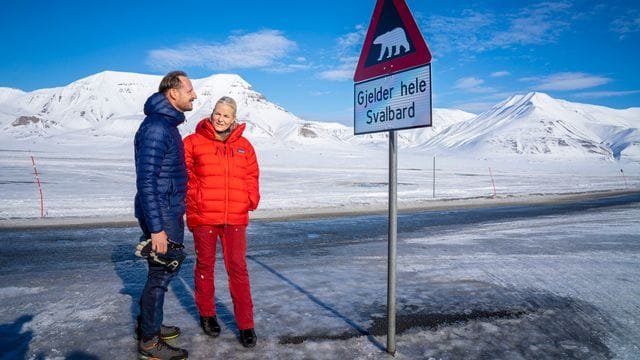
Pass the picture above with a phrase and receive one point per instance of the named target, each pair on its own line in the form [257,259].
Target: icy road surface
[538,282]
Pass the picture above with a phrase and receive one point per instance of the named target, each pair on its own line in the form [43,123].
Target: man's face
[184,96]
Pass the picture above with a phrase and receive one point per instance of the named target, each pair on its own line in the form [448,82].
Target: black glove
[172,259]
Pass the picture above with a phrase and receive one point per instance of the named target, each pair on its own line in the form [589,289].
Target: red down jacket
[223,177]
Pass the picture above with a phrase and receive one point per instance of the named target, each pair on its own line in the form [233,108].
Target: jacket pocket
[199,200]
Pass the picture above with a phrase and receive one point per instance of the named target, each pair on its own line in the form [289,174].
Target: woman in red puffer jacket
[223,187]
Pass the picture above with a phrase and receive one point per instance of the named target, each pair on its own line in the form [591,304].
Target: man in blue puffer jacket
[161,181]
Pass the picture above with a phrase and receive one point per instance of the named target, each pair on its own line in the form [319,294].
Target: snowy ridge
[536,124]
[8,94]
[109,105]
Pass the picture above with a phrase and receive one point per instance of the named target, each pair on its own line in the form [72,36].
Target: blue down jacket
[161,174]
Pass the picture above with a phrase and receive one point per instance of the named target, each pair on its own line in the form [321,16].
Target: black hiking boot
[248,338]
[167,332]
[157,349]
[210,326]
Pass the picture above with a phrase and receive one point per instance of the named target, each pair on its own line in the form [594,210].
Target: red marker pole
[625,179]
[35,171]
[492,182]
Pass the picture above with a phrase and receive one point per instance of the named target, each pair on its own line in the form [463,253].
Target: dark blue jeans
[158,279]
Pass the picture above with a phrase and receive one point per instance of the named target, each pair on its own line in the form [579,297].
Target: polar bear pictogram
[391,42]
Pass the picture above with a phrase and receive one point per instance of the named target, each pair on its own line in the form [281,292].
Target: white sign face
[398,101]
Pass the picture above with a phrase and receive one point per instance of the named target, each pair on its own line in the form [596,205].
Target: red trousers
[233,239]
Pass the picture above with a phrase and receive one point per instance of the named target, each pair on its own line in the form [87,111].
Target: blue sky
[302,54]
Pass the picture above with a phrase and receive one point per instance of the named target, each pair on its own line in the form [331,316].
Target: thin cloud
[500,74]
[468,83]
[605,94]
[260,49]
[447,34]
[534,25]
[350,41]
[286,68]
[472,84]
[343,72]
[626,24]
[568,81]
[320,93]
[336,74]
[474,32]
[347,54]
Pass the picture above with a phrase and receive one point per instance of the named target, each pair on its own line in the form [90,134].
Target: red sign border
[421,56]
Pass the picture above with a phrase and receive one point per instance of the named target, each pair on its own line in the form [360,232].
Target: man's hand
[159,242]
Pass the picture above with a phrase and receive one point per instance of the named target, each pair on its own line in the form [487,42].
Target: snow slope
[537,124]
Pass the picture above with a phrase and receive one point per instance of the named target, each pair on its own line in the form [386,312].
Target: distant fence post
[35,171]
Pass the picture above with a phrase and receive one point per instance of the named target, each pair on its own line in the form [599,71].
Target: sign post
[393,240]
[392,91]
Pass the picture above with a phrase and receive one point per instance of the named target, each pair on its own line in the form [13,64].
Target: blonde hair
[226,100]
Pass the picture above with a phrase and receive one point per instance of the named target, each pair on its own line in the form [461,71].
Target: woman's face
[222,117]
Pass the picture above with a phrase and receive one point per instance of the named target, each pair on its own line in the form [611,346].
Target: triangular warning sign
[393,42]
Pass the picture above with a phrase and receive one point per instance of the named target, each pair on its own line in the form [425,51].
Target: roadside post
[35,172]
[392,91]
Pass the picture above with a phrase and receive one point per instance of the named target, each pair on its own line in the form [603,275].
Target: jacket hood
[206,129]
[158,104]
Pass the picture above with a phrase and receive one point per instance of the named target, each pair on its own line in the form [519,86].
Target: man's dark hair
[171,81]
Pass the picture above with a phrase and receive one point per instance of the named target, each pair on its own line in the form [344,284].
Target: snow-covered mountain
[109,104]
[537,124]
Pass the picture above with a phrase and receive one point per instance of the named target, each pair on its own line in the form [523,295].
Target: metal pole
[393,230]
